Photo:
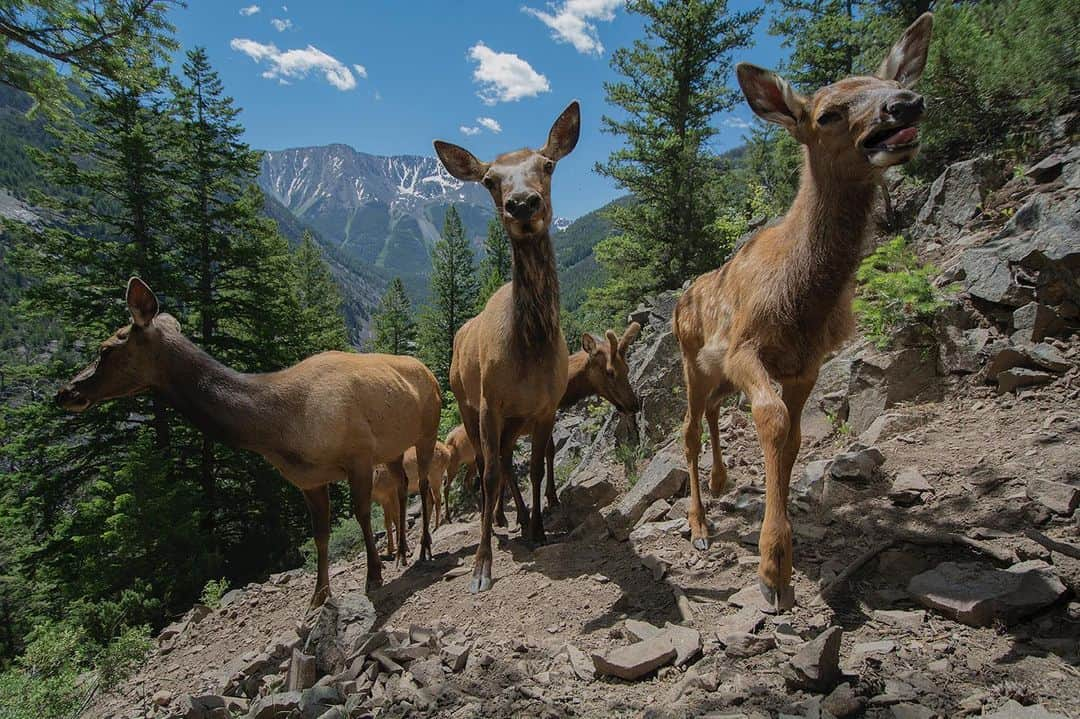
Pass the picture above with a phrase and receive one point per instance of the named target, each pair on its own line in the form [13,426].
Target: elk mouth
[894,138]
[70,399]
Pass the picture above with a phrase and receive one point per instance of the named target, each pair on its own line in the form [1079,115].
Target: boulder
[664,477]
[207,706]
[654,512]
[857,463]
[1014,710]
[978,595]
[322,642]
[637,660]
[687,642]
[881,379]
[455,656]
[1034,321]
[587,492]
[302,671]
[428,673]
[1013,379]
[743,645]
[843,702]
[957,196]
[242,674]
[816,666]
[314,702]
[909,487]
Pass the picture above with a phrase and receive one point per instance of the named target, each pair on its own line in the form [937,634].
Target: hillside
[382,212]
[578,269]
[934,507]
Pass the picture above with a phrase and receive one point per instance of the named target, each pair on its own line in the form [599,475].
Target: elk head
[859,123]
[607,369]
[519,181]
[126,364]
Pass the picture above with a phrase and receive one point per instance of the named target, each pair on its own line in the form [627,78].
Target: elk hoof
[319,598]
[781,599]
[701,543]
[372,583]
[480,583]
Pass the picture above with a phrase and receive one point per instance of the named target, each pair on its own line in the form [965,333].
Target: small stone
[1013,379]
[274,705]
[842,702]
[580,664]
[857,463]
[745,645]
[816,666]
[161,697]
[654,512]
[884,646]
[636,660]
[909,619]
[908,487]
[314,702]
[907,710]
[1014,710]
[428,673]
[752,597]
[938,666]
[654,564]
[455,656]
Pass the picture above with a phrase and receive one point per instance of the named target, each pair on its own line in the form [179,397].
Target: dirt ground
[977,450]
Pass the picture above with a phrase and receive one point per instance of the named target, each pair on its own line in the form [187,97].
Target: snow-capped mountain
[384,211]
[558,224]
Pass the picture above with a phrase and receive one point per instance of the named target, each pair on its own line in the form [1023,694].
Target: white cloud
[296,64]
[466,130]
[249,10]
[504,77]
[490,123]
[736,122]
[570,21]
[281,25]
[360,70]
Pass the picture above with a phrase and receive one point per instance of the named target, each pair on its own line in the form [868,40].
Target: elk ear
[141,302]
[613,342]
[588,343]
[459,162]
[907,58]
[770,96]
[629,336]
[563,136]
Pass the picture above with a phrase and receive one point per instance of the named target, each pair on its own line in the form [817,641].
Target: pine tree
[454,289]
[672,84]
[393,325]
[496,266]
[321,320]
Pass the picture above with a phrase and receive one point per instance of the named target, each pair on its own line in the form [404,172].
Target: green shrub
[346,539]
[213,592]
[893,290]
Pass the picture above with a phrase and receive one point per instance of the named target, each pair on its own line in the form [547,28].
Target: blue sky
[388,77]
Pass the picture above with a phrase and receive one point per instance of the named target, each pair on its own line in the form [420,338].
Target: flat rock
[908,619]
[908,710]
[207,706]
[641,630]
[857,463]
[664,477]
[1013,379]
[273,706]
[1014,710]
[637,660]
[751,597]
[978,595]
[314,702]
[580,664]
[882,646]
[909,487]
[1058,497]
[744,644]
[687,642]
[654,512]
[816,666]
[843,702]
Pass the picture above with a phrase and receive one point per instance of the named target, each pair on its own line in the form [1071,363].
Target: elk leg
[509,441]
[718,475]
[490,434]
[451,474]
[541,436]
[549,460]
[318,502]
[397,469]
[795,395]
[360,488]
[424,451]
[695,407]
[389,525]
[773,424]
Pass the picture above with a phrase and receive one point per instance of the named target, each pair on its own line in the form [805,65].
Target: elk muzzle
[523,206]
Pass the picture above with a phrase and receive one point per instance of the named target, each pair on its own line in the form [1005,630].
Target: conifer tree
[319,297]
[496,266]
[393,325]
[454,290]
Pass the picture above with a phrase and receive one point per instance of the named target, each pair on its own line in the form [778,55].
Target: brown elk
[783,302]
[331,417]
[599,368]
[384,489]
[509,364]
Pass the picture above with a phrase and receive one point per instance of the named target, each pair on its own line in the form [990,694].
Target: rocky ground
[935,507]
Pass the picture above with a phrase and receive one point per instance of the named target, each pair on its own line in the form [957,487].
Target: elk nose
[63,395]
[905,106]
[523,205]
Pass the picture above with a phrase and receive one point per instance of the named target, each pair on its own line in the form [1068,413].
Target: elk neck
[827,223]
[226,405]
[535,295]
[577,385]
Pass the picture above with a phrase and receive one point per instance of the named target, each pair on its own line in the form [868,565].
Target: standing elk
[331,417]
[599,368]
[385,487]
[509,364]
[773,312]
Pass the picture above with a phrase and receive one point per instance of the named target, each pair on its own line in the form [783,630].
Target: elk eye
[826,118]
[549,166]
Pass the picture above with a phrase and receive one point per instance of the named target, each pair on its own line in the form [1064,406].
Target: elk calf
[331,417]
[385,489]
[783,302]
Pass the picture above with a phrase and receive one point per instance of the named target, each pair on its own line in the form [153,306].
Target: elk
[509,364]
[599,368]
[384,489]
[331,417]
[783,301]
